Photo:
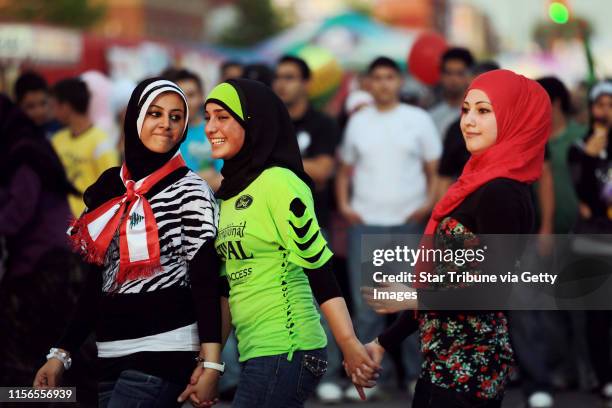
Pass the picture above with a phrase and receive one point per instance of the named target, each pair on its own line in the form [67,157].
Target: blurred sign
[206,65]
[137,62]
[45,45]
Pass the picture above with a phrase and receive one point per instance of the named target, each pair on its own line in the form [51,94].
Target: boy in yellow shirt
[85,151]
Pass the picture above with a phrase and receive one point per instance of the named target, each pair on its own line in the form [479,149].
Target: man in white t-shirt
[389,159]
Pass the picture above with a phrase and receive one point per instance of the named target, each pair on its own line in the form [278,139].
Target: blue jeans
[531,344]
[368,324]
[274,381]
[229,355]
[135,389]
[334,355]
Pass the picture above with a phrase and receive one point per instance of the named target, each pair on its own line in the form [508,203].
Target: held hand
[193,380]
[50,374]
[195,376]
[358,364]
[202,389]
[355,382]
[404,298]
[376,351]
[206,389]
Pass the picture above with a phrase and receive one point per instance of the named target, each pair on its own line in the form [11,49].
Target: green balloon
[558,12]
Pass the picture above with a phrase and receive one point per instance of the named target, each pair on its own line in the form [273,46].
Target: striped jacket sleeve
[200,217]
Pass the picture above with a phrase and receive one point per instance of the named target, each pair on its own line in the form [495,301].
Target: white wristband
[61,356]
[214,366]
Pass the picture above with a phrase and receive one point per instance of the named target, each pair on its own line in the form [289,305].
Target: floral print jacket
[465,351]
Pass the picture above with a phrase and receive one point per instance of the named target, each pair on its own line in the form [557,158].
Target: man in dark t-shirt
[317,133]
[454,153]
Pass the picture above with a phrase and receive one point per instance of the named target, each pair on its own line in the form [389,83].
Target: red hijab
[524,121]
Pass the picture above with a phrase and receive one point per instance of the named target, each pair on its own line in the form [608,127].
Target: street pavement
[513,400]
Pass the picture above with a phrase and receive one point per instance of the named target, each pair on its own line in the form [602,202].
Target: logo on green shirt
[232,230]
[243,202]
[232,250]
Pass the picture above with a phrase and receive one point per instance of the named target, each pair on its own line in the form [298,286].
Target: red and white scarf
[93,232]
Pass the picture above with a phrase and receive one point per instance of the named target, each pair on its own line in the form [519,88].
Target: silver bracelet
[61,356]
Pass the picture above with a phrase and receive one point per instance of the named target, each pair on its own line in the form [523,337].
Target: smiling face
[478,122]
[164,123]
[223,131]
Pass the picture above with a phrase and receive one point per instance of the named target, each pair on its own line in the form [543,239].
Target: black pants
[428,395]
[598,337]
[531,348]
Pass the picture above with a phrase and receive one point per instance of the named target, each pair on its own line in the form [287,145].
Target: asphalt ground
[513,399]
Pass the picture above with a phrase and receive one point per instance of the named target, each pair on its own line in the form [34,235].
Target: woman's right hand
[358,364]
[376,351]
[50,374]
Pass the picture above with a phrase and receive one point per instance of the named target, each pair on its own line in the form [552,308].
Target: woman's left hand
[358,364]
[202,388]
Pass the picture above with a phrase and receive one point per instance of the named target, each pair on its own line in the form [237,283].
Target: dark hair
[304,69]
[74,92]
[484,66]
[383,62]
[230,63]
[175,75]
[259,72]
[29,82]
[557,91]
[458,53]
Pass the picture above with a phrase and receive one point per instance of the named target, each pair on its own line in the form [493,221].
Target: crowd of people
[218,229]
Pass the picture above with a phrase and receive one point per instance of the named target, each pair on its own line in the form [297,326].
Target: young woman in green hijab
[274,255]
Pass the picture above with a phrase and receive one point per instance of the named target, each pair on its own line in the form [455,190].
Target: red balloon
[424,57]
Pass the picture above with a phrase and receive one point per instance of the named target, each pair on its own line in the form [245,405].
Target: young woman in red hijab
[506,121]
